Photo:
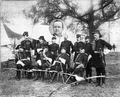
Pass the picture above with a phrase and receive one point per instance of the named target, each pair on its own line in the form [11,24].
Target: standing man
[77,45]
[88,51]
[67,44]
[99,57]
[114,47]
[54,47]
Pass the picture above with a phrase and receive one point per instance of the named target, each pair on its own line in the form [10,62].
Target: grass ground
[9,87]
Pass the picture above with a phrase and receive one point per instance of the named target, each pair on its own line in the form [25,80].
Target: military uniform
[43,63]
[76,47]
[99,58]
[54,47]
[67,44]
[39,46]
[88,51]
[26,45]
[58,62]
[79,65]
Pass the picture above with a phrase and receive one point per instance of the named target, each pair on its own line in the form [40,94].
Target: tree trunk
[91,34]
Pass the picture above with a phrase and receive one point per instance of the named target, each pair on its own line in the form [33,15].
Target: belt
[96,52]
[77,63]
[27,50]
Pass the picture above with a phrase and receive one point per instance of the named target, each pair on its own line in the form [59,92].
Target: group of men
[85,55]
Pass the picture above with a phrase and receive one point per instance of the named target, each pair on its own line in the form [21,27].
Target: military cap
[41,37]
[53,38]
[97,32]
[25,33]
[78,35]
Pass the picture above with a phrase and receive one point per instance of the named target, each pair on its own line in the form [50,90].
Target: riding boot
[36,76]
[29,75]
[98,82]
[18,76]
[103,81]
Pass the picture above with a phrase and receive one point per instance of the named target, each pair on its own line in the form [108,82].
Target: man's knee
[19,66]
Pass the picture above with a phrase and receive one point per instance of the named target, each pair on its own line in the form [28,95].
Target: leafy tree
[91,19]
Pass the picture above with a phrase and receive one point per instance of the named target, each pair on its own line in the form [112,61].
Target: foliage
[47,10]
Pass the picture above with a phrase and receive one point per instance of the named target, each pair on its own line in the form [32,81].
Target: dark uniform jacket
[88,48]
[98,55]
[81,58]
[45,63]
[57,65]
[76,47]
[67,44]
[40,46]
[54,48]
[26,45]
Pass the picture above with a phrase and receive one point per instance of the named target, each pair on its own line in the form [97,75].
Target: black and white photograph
[60,48]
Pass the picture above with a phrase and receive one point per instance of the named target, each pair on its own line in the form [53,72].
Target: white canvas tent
[4,38]
[41,30]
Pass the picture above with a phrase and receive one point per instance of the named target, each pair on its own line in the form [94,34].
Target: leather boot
[36,76]
[98,82]
[18,76]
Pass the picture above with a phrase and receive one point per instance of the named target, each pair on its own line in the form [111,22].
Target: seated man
[80,64]
[62,61]
[61,64]
[22,62]
[44,61]
[25,47]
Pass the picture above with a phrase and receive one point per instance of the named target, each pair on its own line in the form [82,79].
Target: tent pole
[0,32]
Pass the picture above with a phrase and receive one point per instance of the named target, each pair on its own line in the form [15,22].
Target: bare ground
[10,87]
